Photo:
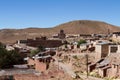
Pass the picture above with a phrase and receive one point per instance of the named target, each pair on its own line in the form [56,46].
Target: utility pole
[86,64]
[58,68]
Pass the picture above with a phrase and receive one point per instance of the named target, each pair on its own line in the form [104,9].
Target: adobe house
[115,65]
[114,71]
[30,63]
[72,36]
[116,36]
[92,65]
[105,49]
[21,42]
[85,35]
[40,61]
[110,67]
[101,50]
[40,64]
[110,70]
[103,71]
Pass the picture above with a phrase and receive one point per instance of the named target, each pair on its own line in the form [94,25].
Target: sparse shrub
[33,52]
[75,57]
[81,42]
[94,74]
[110,78]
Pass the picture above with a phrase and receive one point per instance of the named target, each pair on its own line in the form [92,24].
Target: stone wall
[27,77]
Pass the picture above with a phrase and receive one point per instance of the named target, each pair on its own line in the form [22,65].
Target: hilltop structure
[60,35]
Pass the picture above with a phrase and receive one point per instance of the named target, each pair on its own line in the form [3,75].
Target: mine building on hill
[60,35]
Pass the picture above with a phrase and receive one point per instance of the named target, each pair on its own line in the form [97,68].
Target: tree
[41,48]
[2,45]
[9,58]
[15,57]
[81,42]
[66,46]
[34,52]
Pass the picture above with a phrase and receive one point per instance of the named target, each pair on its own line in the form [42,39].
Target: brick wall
[113,71]
[31,61]
[44,43]
[40,66]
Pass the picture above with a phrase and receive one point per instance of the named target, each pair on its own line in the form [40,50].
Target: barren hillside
[73,27]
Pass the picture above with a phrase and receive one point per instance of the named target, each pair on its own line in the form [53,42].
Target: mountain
[87,27]
[72,27]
